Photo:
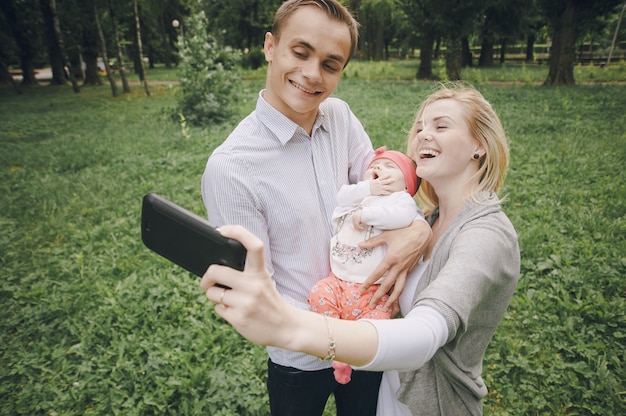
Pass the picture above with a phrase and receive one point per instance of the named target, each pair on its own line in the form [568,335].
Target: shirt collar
[281,125]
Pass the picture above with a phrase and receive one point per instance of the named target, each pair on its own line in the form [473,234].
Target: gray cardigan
[470,280]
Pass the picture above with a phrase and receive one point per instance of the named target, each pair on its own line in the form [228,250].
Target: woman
[455,297]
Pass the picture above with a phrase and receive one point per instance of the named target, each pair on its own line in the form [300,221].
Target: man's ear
[268,46]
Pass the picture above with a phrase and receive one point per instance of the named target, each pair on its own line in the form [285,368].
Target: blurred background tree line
[82,39]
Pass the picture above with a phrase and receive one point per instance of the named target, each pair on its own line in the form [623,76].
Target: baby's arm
[394,211]
[350,196]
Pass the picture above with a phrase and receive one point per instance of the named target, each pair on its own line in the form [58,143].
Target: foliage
[94,323]
[207,75]
[568,21]
[400,25]
[241,24]
[560,349]
[253,59]
[513,73]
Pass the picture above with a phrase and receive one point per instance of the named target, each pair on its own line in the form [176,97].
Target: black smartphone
[185,238]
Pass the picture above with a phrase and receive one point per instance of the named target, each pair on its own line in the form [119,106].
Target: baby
[383,200]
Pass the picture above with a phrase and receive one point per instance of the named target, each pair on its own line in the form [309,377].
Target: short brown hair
[333,10]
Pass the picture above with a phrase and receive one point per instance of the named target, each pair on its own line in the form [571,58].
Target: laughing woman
[455,297]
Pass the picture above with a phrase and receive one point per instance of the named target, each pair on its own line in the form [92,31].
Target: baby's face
[386,169]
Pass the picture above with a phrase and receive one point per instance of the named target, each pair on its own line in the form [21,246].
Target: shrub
[208,78]
[254,59]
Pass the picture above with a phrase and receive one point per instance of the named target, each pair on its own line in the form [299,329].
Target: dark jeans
[295,392]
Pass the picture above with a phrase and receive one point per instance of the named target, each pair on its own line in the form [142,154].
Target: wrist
[307,332]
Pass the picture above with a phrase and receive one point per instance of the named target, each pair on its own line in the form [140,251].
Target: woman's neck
[452,198]
[450,204]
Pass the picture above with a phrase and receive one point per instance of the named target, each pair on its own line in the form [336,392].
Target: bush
[254,59]
[208,78]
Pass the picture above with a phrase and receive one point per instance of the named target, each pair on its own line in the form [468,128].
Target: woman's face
[443,148]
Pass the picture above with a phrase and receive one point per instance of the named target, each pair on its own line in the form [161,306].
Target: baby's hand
[356,220]
[376,187]
[380,186]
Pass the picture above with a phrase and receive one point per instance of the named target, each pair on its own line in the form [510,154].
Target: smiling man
[277,174]
[306,55]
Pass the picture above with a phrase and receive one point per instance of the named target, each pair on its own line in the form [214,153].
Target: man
[278,173]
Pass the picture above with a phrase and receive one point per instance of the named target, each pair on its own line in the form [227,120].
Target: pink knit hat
[405,164]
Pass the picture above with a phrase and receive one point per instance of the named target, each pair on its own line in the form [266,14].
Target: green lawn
[94,323]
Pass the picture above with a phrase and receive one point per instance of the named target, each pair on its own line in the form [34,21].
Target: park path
[45,75]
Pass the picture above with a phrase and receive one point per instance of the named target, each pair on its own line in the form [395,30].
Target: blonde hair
[486,129]
[333,9]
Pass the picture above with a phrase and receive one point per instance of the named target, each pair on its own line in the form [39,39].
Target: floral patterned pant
[341,299]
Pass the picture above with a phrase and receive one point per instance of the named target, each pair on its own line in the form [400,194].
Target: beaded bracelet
[330,355]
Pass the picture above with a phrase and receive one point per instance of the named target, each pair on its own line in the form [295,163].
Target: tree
[207,78]
[22,22]
[375,17]
[502,22]
[54,16]
[89,44]
[424,17]
[118,48]
[240,24]
[103,48]
[459,16]
[55,54]
[567,19]
[5,74]
[619,22]
[142,68]
[403,36]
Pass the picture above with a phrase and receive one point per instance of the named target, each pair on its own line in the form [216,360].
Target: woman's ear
[479,151]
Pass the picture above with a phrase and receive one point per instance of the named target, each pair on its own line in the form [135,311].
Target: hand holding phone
[185,238]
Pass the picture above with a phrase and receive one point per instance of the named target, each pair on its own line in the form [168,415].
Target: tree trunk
[453,60]
[5,74]
[502,51]
[619,22]
[54,51]
[466,53]
[486,43]
[142,67]
[90,48]
[59,35]
[166,42]
[425,70]
[486,53]
[118,47]
[24,44]
[563,51]
[530,48]
[103,46]
[379,41]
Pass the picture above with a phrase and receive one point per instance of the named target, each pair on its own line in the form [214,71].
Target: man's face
[305,64]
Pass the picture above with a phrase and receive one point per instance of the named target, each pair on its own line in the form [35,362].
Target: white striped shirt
[280,183]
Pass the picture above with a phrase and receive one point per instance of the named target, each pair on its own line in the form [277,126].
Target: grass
[405,70]
[94,323]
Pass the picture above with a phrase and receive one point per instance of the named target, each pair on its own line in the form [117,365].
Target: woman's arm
[257,311]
